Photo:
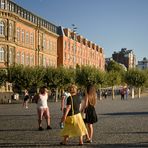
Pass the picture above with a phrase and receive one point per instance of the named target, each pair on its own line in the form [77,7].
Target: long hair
[91,94]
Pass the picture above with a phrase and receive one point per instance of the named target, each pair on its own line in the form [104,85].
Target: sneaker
[88,141]
[49,127]
[41,129]
[61,125]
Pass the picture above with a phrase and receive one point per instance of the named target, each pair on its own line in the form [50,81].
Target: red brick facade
[76,50]
[30,40]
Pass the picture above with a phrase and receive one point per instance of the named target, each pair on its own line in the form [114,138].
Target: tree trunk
[56,95]
[113,93]
[133,95]
[100,94]
[139,92]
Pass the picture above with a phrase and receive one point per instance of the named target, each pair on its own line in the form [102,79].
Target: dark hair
[43,89]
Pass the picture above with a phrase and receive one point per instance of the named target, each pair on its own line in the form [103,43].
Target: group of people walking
[78,116]
[81,126]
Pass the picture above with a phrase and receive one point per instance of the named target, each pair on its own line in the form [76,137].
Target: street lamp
[74,28]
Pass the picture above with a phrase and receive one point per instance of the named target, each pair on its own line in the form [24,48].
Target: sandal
[62,143]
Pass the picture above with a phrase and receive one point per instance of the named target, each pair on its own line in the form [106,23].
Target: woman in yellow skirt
[78,128]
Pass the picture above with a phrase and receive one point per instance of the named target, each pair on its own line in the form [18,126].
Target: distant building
[125,57]
[107,60]
[143,64]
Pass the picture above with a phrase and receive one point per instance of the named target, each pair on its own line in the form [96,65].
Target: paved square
[122,123]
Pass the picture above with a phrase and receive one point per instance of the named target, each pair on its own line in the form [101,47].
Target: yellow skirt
[75,130]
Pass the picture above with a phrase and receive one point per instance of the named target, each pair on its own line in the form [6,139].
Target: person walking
[122,92]
[90,100]
[78,128]
[65,95]
[42,108]
[26,99]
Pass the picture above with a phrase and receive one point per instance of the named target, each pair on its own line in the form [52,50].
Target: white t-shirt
[42,102]
[66,94]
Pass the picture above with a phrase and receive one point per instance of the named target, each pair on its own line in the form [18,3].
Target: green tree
[3,76]
[114,66]
[15,76]
[37,77]
[113,78]
[86,75]
[136,78]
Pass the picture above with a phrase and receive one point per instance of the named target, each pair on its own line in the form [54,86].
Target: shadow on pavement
[126,113]
[74,145]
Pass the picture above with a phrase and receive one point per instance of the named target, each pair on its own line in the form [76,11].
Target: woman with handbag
[74,124]
[90,100]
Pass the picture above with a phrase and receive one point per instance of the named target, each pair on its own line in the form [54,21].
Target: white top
[66,94]
[42,102]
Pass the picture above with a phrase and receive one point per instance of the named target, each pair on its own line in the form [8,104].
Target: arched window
[2,27]
[1,54]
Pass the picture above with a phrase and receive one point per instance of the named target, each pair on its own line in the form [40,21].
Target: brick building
[30,40]
[75,50]
[25,38]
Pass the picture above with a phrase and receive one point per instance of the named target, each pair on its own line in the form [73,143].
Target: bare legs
[45,113]
[90,131]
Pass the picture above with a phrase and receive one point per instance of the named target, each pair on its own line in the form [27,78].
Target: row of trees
[59,78]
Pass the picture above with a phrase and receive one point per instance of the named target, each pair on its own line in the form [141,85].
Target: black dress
[91,116]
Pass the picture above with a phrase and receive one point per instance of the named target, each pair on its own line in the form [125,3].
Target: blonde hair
[91,94]
[73,89]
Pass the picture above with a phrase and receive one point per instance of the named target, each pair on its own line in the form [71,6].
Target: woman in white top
[42,108]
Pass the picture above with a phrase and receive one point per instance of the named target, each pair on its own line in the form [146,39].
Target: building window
[10,57]
[27,59]
[23,58]
[44,61]
[49,45]
[2,4]
[31,38]
[27,37]
[18,34]
[31,60]
[44,42]
[10,29]
[1,54]
[23,36]
[18,57]
[2,28]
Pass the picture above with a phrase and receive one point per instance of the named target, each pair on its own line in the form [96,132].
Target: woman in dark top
[73,130]
[26,99]
[90,112]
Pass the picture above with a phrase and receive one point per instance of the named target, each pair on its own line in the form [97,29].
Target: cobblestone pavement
[121,124]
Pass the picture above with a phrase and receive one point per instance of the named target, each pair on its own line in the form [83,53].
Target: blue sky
[112,24]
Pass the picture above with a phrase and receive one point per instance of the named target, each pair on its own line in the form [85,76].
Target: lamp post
[74,28]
